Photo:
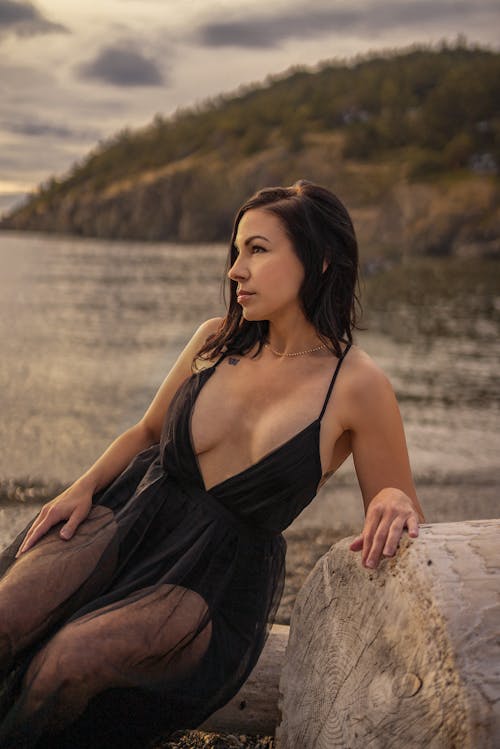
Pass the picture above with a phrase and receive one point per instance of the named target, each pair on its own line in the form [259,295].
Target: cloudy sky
[72,72]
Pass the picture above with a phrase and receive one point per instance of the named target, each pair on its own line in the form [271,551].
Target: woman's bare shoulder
[363,369]
[364,382]
[208,327]
[201,336]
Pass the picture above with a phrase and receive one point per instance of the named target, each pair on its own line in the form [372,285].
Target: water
[89,329]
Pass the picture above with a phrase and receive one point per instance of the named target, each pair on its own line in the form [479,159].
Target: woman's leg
[36,588]
[154,637]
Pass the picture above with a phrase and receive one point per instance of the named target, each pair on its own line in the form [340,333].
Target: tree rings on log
[406,655]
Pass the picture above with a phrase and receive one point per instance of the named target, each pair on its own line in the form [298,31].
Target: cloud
[270,30]
[23,19]
[122,66]
[37,128]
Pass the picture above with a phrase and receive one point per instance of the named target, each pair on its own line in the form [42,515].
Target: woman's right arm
[75,502]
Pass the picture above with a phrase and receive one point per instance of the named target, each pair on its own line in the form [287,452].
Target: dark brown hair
[319,228]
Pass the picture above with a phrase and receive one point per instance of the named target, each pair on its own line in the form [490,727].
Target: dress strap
[221,357]
[333,380]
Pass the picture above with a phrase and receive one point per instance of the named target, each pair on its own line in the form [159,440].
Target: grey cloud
[122,66]
[32,127]
[39,128]
[269,30]
[23,19]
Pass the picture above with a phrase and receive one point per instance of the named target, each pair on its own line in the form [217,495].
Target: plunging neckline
[316,423]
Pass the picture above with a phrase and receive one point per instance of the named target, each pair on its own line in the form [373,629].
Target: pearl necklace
[297,353]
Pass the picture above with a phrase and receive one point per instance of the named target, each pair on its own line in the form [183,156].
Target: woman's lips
[244,295]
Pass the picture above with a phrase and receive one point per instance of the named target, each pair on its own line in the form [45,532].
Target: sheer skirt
[148,620]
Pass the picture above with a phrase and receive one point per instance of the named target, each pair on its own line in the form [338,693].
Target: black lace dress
[156,611]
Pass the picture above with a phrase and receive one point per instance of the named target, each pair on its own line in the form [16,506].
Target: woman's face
[267,267]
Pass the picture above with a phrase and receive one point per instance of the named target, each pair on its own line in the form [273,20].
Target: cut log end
[404,655]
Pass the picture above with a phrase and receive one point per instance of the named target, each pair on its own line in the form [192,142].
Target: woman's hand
[72,505]
[388,514]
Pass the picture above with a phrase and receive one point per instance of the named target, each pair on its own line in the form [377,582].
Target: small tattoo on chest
[233,360]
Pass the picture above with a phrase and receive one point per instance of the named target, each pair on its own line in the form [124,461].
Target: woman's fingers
[393,537]
[382,533]
[357,544]
[32,530]
[374,541]
[32,537]
[42,524]
[374,520]
[412,524]
[69,507]
[68,529]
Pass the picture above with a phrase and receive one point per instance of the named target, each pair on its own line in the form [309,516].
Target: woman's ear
[325,265]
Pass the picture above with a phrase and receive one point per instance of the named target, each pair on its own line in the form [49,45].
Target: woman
[138,601]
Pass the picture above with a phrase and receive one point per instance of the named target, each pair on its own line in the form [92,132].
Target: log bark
[254,709]
[403,655]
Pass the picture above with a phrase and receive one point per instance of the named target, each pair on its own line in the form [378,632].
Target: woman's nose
[237,270]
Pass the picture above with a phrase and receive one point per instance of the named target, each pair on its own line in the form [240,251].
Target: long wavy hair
[320,229]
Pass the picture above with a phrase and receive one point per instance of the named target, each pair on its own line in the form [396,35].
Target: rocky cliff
[195,201]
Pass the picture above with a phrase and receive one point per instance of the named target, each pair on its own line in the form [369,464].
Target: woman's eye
[256,247]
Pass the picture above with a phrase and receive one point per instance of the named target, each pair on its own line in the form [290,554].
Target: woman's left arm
[382,464]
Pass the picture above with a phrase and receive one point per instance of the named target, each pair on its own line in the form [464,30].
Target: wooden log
[406,655]
[254,709]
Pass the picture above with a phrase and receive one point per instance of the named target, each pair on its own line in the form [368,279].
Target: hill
[410,141]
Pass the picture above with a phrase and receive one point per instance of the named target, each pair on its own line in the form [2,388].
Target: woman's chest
[254,417]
